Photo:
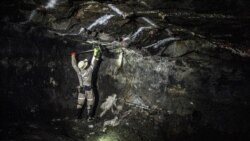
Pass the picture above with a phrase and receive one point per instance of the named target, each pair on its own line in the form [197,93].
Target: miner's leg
[80,103]
[90,103]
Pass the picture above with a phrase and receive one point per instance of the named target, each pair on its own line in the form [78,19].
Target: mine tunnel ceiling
[69,19]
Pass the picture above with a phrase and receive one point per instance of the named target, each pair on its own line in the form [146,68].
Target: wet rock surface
[178,74]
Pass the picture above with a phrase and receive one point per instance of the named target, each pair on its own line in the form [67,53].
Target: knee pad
[80,100]
[90,98]
[90,101]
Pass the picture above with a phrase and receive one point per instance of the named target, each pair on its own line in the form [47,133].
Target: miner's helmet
[83,64]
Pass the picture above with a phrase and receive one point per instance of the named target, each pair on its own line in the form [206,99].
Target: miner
[84,71]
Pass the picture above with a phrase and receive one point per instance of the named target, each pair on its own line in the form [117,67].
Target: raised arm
[95,57]
[73,62]
[74,65]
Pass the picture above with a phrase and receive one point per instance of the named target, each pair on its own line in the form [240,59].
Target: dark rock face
[32,71]
[177,79]
[207,6]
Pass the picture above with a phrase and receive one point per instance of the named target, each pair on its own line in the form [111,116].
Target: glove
[97,52]
[73,53]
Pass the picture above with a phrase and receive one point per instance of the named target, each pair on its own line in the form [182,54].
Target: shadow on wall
[224,6]
[37,80]
[206,6]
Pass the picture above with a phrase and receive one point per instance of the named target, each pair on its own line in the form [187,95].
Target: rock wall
[201,88]
[187,88]
[204,89]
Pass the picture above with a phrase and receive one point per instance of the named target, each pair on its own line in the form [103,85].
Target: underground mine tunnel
[167,70]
